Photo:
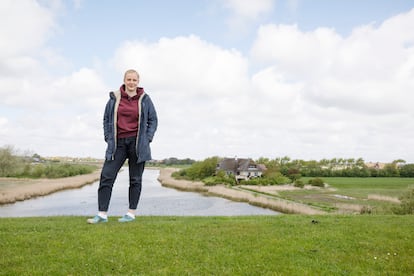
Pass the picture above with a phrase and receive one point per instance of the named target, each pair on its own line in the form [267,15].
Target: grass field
[392,186]
[254,245]
[350,194]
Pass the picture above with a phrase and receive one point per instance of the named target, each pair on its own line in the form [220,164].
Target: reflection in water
[156,200]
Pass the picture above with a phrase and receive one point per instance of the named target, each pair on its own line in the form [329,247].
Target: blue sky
[305,79]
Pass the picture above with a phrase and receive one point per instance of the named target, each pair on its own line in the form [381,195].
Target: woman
[130,121]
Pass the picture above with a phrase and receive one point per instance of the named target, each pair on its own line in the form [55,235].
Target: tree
[324,162]
[284,160]
[293,174]
[263,160]
[391,170]
[350,162]
[407,170]
[360,162]
[202,169]
[399,162]
[8,161]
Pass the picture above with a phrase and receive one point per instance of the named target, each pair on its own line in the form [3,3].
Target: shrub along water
[13,165]
[55,170]
[406,206]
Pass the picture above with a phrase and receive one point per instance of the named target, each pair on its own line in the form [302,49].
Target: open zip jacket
[148,122]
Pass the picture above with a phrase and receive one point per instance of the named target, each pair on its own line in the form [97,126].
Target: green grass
[254,245]
[359,189]
[392,186]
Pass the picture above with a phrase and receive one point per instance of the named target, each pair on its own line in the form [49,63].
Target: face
[131,82]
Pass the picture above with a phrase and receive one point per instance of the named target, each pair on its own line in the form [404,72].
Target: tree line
[337,167]
[281,169]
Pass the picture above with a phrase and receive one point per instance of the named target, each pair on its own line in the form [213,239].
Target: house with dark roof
[240,168]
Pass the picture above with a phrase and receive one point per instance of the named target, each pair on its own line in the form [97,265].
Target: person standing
[130,121]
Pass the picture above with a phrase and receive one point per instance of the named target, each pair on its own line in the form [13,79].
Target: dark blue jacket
[148,122]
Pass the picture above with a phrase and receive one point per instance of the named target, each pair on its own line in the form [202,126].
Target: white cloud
[83,88]
[56,116]
[249,9]
[193,66]
[244,12]
[372,65]
[342,94]
[25,25]
[300,54]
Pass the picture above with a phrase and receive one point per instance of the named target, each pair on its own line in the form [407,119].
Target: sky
[307,79]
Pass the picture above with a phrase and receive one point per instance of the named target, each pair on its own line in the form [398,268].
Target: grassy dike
[251,245]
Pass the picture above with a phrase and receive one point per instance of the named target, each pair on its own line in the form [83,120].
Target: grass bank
[253,245]
[17,189]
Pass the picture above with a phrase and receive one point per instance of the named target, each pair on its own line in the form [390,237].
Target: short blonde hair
[129,72]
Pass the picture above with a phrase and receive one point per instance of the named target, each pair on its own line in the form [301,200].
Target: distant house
[375,165]
[242,169]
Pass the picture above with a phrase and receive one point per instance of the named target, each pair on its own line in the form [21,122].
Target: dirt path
[235,194]
[17,189]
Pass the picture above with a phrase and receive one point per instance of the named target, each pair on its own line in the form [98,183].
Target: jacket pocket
[110,149]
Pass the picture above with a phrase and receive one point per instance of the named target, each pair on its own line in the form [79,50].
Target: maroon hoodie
[128,113]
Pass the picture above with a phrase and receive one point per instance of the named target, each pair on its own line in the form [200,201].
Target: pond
[156,200]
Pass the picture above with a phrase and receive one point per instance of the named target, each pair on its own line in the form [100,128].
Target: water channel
[156,200]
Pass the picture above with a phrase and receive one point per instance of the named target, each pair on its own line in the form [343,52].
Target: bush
[54,170]
[9,163]
[213,180]
[407,170]
[274,179]
[406,206]
[200,170]
[179,174]
[220,178]
[318,182]
[366,210]
[293,174]
[255,181]
[13,165]
[299,183]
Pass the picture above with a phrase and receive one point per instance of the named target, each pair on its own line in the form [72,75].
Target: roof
[238,164]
